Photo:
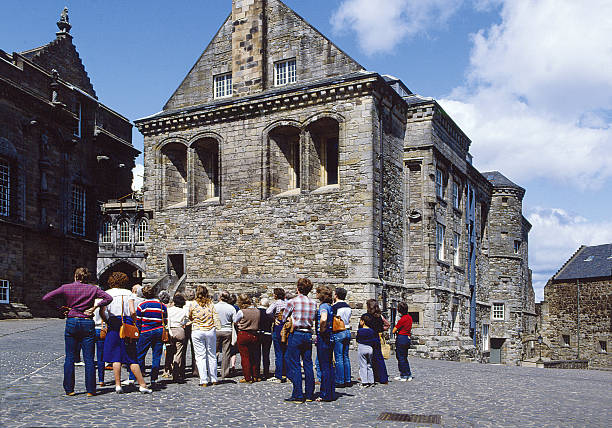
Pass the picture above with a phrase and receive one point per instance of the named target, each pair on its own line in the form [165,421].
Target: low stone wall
[566,364]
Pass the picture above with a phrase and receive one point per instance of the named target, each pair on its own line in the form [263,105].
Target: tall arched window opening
[173,161]
[284,159]
[143,230]
[5,188]
[324,152]
[106,232]
[124,232]
[206,180]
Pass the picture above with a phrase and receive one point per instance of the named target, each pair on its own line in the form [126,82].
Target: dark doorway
[496,347]
[176,265]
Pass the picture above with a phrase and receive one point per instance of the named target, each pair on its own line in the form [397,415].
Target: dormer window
[223,85]
[285,72]
[589,259]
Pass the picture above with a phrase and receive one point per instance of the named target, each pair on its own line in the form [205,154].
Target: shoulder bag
[165,336]
[385,348]
[103,331]
[127,331]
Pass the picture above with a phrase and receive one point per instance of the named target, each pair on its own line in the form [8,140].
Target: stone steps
[14,311]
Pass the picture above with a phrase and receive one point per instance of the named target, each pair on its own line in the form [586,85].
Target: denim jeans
[325,353]
[402,344]
[99,356]
[342,342]
[300,346]
[280,365]
[150,339]
[80,333]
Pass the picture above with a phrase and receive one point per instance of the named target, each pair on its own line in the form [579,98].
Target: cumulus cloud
[381,25]
[137,177]
[538,97]
[555,236]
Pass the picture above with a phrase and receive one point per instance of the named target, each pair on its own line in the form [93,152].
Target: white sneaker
[401,379]
[118,390]
[144,390]
[397,378]
[128,382]
[80,363]
[409,379]
[274,380]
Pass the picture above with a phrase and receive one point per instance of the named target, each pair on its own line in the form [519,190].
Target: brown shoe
[243,380]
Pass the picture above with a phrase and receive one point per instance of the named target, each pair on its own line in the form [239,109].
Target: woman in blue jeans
[149,315]
[402,343]
[280,349]
[325,347]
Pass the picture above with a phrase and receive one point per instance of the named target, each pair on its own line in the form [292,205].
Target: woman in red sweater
[402,342]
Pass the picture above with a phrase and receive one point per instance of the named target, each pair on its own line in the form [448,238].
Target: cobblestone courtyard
[463,394]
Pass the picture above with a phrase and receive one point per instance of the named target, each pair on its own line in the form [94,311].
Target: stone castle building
[279,156]
[576,313]
[61,151]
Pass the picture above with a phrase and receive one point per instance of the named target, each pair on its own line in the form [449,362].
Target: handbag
[385,348]
[234,335]
[287,329]
[338,324]
[165,336]
[127,331]
[103,331]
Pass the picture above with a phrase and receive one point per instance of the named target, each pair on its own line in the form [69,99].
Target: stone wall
[560,315]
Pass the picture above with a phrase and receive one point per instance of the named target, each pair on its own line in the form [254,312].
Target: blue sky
[528,80]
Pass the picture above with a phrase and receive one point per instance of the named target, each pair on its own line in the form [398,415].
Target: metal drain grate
[406,417]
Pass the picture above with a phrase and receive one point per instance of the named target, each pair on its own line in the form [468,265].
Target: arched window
[5,188]
[124,232]
[284,161]
[324,134]
[174,174]
[206,170]
[143,229]
[105,235]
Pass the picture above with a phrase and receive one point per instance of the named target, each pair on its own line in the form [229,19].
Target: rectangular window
[517,247]
[440,229]
[456,195]
[416,317]
[107,228]
[5,188]
[440,188]
[498,311]
[223,85]
[4,291]
[124,232]
[78,112]
[456,252]
[565,340]
[285,72]
[603,346]
[78,210]
[485,337]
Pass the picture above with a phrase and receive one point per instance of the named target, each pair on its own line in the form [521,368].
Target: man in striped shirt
[149,316]
[302,310]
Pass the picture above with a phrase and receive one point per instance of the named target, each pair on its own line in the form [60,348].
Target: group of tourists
[123,324]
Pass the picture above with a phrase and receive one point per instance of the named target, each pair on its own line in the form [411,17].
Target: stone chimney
[248,46]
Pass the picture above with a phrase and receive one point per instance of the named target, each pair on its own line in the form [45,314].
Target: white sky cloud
[555,236]
[138,176]
[538,97]
[382,24]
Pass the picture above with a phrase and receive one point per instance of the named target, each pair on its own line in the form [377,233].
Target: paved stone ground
[464,394]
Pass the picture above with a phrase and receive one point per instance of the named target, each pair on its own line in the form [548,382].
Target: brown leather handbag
[287,329]
[338,324]
[165,336]
[127,331]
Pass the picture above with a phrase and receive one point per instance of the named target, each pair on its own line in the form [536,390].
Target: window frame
[120,224]
[440,187]
[485,338]
[517,246]
[603,349]
[221,87]
[495,312]
[456,248]
[456,196]
[440,232]
[288,69]
[5,291]
[5,188]
[566,343]
[78,219]
[106,232]
[78,110]
[142,232]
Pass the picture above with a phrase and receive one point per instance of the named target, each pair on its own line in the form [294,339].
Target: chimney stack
[248,46]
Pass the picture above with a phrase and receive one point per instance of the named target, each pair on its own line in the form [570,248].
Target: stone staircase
[14,311]
[450,348]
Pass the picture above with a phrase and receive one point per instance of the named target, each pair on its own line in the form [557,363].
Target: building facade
[576,313]
[61,151]
[279,156]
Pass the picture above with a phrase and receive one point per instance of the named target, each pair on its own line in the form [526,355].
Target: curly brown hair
[304,286]
[202,296]
[325,294]
[244,301]
[118,280]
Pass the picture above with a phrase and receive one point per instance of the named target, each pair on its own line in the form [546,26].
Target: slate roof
[497,179]
[588,262]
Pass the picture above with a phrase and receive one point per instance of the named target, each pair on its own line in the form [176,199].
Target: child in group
[367,339]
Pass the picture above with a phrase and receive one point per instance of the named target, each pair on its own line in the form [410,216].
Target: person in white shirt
[342,339]
[99,325]
[175,349]
[189,303]
[226,314]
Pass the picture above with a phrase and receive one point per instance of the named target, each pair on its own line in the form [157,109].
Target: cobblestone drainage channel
[406,417]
